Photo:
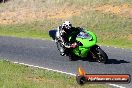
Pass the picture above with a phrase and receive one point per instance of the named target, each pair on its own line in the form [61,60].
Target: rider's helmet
[67,26]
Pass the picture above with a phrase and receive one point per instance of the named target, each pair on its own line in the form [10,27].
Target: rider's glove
[68,45]
[73,45]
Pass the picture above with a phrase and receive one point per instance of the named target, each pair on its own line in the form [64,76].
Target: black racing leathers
[72,33]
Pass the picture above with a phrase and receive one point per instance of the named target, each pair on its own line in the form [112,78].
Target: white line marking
[115,85]
[46,69]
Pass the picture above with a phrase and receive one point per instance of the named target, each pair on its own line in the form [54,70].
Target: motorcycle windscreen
[84,35]
[88,39]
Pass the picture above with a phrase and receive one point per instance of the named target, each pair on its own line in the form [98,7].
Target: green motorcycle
[84,47]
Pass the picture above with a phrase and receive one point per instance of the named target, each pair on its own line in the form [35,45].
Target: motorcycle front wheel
[100,55]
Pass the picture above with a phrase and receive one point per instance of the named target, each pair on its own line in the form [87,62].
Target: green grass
[110,29]
[19,76]
[23,30]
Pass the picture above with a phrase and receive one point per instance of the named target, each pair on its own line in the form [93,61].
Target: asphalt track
[44,53]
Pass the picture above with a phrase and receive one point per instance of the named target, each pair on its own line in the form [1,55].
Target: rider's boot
[62,52]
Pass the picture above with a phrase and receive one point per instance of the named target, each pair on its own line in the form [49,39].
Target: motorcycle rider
[63,33]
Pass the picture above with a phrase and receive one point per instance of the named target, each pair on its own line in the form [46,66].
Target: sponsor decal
[83,77]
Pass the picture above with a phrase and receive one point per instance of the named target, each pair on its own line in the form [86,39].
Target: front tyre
[101,56]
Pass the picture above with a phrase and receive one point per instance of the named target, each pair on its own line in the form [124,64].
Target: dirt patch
[130,37]
[123,10]
[22,15]
[41,79]
[36,79]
